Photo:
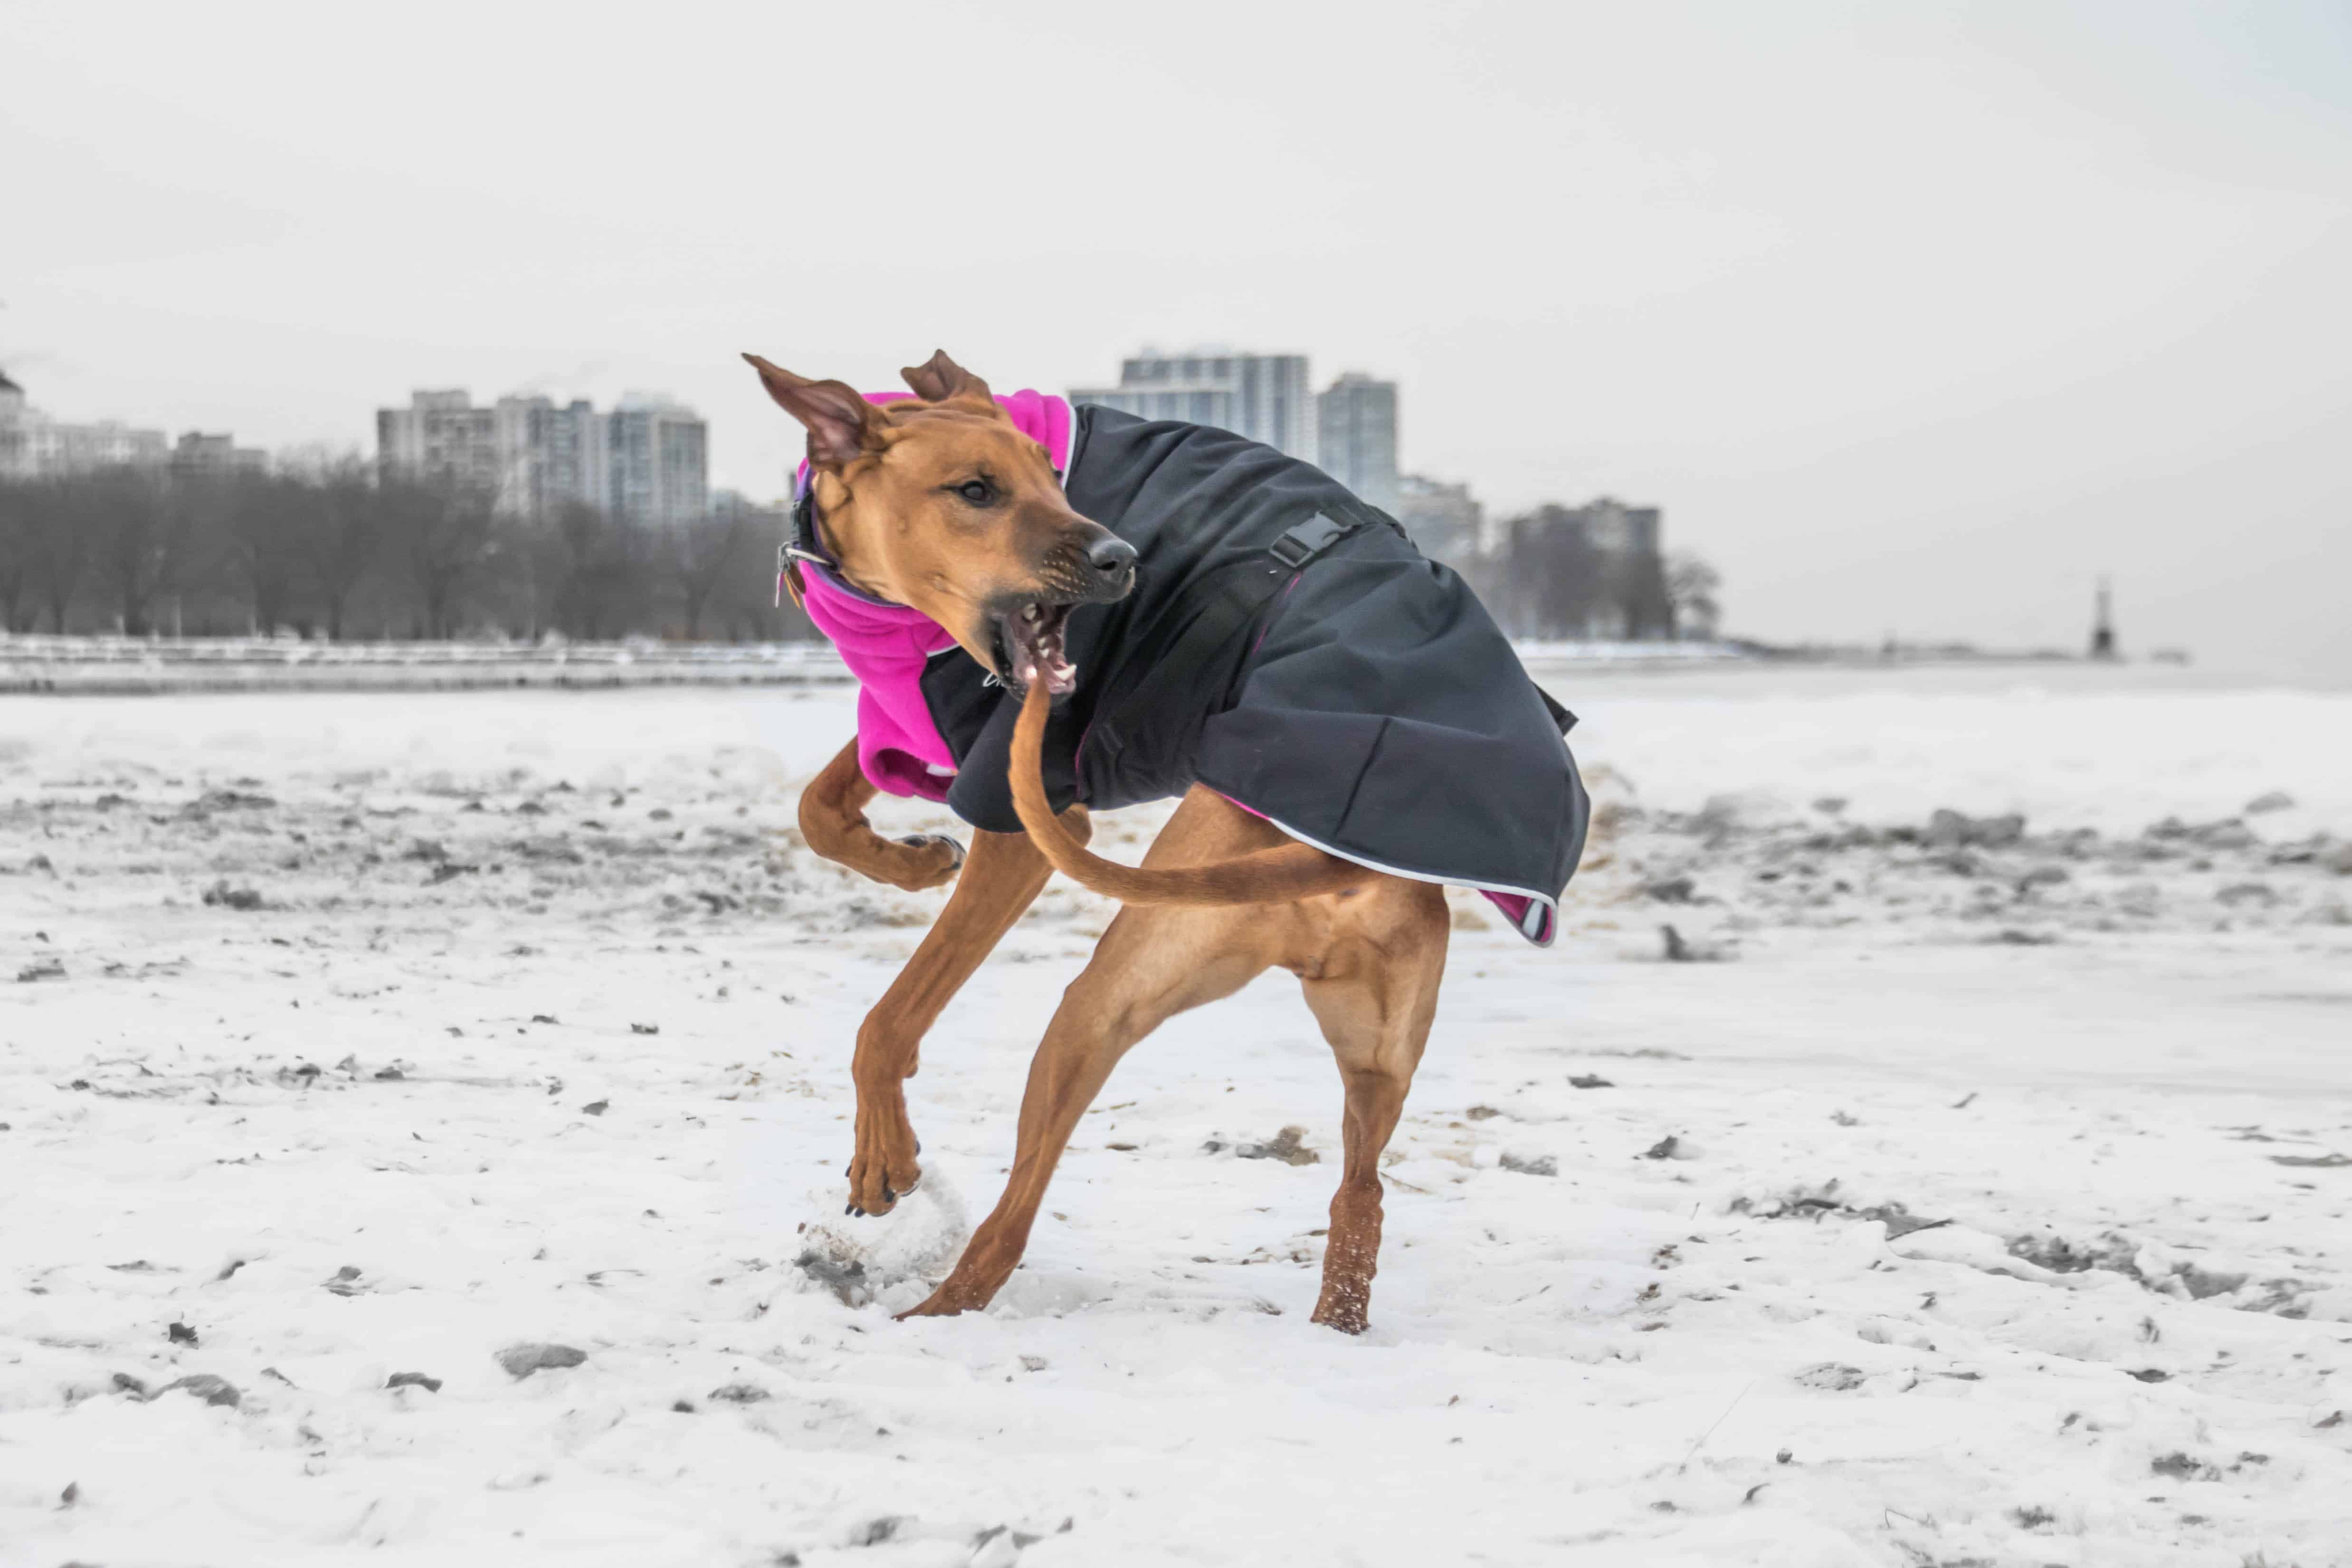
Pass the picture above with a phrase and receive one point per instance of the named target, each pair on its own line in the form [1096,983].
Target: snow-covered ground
[1989,1202]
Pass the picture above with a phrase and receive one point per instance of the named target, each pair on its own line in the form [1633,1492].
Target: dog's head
[940,502]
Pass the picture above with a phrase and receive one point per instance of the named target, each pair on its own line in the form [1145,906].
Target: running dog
[1053,611]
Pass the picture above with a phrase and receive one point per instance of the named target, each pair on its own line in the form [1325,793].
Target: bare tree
[145,530]
[18,502]
[703,553]
[61,546]
[1637,586]
[445,535]
[595,571]
[345,536]
[262,521]
[1554,576]
[1691,589]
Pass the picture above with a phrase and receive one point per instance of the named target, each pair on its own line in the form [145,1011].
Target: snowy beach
[1976,1191]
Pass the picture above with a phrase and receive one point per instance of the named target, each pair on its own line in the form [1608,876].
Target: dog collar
[805,543]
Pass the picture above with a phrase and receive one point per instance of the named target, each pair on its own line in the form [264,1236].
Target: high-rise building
[1445,522]
[659,461]
[442,438]
[34,445]
[1262,396]
[553,456]
[198,456]
[1616,529]
[1356,436]
[645,462]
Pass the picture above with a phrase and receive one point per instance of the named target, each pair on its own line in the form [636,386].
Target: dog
[1342,726]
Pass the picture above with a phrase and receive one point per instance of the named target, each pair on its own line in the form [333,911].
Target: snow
[2004,1218]
[117,666]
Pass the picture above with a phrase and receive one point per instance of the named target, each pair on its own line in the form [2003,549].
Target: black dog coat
[1287,646]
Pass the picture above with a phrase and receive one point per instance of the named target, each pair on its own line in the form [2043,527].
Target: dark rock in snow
[2043,876]
[739,1394]
[206,1386]
[1588,1080]
[1679,950]
[522,1360]
[2275,800]
[414,1380]
[1287,1145]
[596,1107]
[180,1333]
[845,1280]
[1663,1149]
[41,969]
[1531,1164]
[874,1531]
[1835,1377]
[1672,889]
[1898,1220]
[221,895]
[644,1028]
[1951,830]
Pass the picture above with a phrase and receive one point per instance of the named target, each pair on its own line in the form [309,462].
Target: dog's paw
[936,860]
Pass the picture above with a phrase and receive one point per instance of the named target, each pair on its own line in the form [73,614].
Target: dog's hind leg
[1154,963]
[1374,992]
[1002,879]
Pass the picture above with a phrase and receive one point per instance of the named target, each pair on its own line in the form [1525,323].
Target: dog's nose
[1111,556]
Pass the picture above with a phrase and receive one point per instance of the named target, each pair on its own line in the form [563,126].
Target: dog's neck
[814,543]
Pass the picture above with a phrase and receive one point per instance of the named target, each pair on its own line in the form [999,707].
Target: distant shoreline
[44,666]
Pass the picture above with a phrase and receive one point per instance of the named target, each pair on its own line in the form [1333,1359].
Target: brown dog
[938,503]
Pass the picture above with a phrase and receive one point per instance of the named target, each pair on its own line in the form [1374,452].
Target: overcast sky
[1913,317]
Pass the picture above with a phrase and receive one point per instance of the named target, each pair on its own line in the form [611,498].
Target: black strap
[1559,716]
[1201,631]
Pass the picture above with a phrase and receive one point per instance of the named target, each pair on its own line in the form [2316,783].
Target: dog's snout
[1111,556]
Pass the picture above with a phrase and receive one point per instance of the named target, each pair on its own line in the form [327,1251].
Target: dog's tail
[1276,875]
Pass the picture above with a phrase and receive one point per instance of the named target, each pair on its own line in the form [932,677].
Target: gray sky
[1913,316]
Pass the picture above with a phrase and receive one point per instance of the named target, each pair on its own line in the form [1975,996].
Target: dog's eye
[979,492]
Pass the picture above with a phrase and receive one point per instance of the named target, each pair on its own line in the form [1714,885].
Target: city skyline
[645,461]
[1885,301]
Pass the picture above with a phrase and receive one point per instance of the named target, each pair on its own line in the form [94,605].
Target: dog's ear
[841,424]
[939,378]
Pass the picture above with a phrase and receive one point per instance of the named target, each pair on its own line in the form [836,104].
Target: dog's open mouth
[1029,647]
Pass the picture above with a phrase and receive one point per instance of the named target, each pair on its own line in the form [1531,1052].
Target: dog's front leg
[1002,879]
[832,820]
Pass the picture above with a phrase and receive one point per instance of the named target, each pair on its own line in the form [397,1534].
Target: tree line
[335,550]
[339,551]
[1548,578]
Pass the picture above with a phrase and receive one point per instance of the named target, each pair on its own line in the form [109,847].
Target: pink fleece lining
[887,647]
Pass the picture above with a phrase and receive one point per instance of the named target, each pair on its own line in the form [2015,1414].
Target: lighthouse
[2103,625]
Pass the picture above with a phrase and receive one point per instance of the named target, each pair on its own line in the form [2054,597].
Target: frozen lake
[1990,1199]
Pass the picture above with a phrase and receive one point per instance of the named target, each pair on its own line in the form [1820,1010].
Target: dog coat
[1285,644]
